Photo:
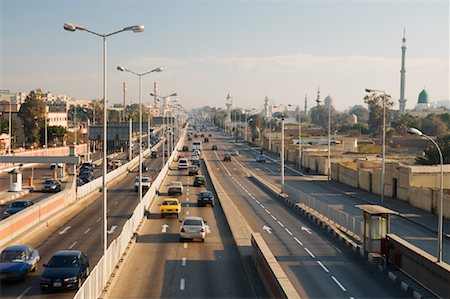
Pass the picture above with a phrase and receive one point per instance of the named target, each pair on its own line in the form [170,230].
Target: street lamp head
[369,90]
[173,94]
[120,68]
[414,131]
[135,28]
[152,94]
[158,70]
[70,27]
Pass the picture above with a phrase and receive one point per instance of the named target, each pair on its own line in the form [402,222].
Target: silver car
[193,228]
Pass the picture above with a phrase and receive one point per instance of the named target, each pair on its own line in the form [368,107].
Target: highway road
[316,264]
[81,230]
[336,195]
[160,266]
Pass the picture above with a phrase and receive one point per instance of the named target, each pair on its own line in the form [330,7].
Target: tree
[319,116]
[375,103]
[445,117]
[361,112]
[432,155]
[32,113]
[433,125]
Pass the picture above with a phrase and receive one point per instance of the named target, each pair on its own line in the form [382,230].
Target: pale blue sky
[250,49]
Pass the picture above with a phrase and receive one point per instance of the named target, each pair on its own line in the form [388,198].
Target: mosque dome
[423,97]
[328,101]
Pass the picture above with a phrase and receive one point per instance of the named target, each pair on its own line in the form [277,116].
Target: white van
[197,145]
[183,163]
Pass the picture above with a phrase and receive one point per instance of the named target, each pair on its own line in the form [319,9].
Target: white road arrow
[208,231]
[64,230]
[112,229]
[308,230]
[267,228]
[164,228]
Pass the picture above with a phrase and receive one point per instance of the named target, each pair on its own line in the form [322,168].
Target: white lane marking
[24,292]
[182,284]
[288,231]
[257,201]
[339,284]
[298,241]
[183,262]
[267,228]
[164,228]
[112,229]
[88,230]
[310,253]
[116,203]
[64,230]
[308,230]
[185,245]
[262,206]
[73,244]
[274,218]
[281,224]
[98,220]
[323,267]
[187,212]
[267,211]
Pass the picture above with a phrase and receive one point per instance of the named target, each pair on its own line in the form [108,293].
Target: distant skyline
[248,48]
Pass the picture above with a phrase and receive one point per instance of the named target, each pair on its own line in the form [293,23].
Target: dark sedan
[51,185]
[66,270]
[17,261]
[17,206]
[205,198]
[86,176]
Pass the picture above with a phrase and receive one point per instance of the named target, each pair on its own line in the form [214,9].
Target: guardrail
[99,276]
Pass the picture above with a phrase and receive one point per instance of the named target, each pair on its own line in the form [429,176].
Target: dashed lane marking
[339,284]
[185,245]
[73,244]
[323,267]
[183,262]
[310,253]
[88,230]
[298,241]
[182,284]
[24,292]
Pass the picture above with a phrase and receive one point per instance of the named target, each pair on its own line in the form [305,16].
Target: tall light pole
[415,131]
[10,127]
[282,153]
[329,141]
[299,136]
[383,161]
[136,28]
[140,75]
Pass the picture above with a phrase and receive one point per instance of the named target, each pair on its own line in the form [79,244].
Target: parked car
[193,170]
[16,206]
[170,206]
[261,158]
[66,270]
[86,176]
[146,183]
[193,228]
[154,155]
[199,181]
[16,261]
[185,148]
[214,147]
[51,185]
[175,187]
[227,157]
[205,198]
[183,163]
[80,182]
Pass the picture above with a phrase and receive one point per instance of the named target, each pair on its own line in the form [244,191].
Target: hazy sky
[250,49]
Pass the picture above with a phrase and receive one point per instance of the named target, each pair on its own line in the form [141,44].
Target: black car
[85,168]
[66,270]
[17,206]
[193,170]
[227,157]
[199,181]
[205,198]
[185,148]
[206,139]
[154,155]
[214,147]
[86,176]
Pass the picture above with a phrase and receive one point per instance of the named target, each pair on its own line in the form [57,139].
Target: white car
[146,182]
[193,228]
[183,163]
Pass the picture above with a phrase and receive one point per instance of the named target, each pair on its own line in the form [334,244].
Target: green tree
[375,103]
[361,112]
[432,155]
[433,125]
[445,118]
[32,113]
[4,126]
[319,116]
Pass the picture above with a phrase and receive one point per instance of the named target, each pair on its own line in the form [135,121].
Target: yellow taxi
[170,206]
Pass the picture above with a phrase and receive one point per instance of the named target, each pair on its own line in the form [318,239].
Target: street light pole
[137,28]
[441,193]
[9,127]
[299,137]
[329,141]
[282,153]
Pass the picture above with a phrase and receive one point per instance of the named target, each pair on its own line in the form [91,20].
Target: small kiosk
[15,180]
[376,226]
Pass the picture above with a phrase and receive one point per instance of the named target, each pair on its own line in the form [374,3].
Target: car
[55,165]
[170,206]
[17,260]
[185,148]
[227,157]
[66,270]
[235,153]
[16,207]
[175,187]
[146,183]
[51,185]
[183,163]
[193,170]
[202,135]
[206,139]
[195,135]
[116,164]
[85,168]
[89,164]
[195,161]
[80,182]
[86,176]
[196,153]
[261,158]
[205,198]
[189,138]
[199,181]
[154,155]
[214,147]
[193,228]
[209,135]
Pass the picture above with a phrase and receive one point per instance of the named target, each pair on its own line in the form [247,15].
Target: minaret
[266,107]
[124,93]
[155,98]
[318,101]
[402,101]
[229,103]
[306,105]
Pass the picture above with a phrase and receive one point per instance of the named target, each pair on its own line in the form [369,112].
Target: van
[197,145]
[183,163]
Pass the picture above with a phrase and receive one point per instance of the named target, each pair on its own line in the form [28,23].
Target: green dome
[423,97]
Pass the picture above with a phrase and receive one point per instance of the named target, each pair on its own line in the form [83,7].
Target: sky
[281,49]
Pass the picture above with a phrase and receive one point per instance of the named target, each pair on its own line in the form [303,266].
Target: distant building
[57,119]
[424,108]
[4,142]
[154,111]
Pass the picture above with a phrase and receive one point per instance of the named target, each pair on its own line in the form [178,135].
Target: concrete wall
[348,176]
[365,179]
